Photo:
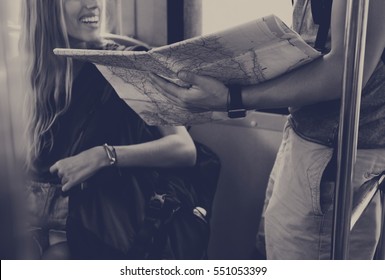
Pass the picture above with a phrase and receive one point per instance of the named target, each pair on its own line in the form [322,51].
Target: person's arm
[315,82]
[175,148]
[321,80]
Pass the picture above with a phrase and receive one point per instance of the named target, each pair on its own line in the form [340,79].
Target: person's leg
[58,247]
[260,252]
[34,244]
[294,216]
[58,251]
[299,216]
[366,232]
[365,235]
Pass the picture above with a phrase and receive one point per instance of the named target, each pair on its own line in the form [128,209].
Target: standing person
[298,208]
[83,136]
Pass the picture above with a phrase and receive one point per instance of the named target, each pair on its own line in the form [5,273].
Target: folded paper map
[247,54]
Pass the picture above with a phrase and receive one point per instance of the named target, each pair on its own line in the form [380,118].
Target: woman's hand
[205,93]
[76,169]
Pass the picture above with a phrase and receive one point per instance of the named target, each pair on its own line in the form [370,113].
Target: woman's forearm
[168,151]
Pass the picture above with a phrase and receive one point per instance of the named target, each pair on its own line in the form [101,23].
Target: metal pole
[355,38]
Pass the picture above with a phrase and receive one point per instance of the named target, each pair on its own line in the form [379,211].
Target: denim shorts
[298,212]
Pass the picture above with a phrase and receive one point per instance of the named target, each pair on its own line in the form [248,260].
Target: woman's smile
[83,20]
[92,19]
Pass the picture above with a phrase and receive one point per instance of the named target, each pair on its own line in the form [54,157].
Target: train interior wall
[247,150]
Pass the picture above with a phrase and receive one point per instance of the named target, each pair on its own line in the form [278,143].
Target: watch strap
[235,108]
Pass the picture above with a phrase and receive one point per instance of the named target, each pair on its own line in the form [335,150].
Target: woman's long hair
[49,76]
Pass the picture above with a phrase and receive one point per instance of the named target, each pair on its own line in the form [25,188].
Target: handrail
[355,38]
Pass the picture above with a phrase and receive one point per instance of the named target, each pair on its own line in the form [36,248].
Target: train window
[120,17]
[220,14]
[11,14]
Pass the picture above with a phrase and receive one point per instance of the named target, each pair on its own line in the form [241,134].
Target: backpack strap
[151,240]
[321,11]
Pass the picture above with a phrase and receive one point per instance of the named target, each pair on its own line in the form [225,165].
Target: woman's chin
[82,42]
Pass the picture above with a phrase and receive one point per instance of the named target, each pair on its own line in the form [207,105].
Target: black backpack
[174,227]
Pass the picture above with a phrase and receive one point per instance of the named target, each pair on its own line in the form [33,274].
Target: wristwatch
[235,108]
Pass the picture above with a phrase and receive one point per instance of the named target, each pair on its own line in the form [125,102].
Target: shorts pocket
[321,193]
[326,196]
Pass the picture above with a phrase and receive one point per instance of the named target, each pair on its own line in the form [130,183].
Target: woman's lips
[90,19]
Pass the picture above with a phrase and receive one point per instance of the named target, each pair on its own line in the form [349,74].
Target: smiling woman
[83,22]
[84,140]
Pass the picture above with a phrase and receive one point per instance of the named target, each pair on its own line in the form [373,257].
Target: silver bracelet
[111,154]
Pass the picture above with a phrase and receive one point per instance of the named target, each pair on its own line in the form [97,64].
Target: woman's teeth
[94,19]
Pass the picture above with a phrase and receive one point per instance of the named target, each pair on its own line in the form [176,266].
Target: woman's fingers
[54,168]
[74,170]
[67,186]
[65,178]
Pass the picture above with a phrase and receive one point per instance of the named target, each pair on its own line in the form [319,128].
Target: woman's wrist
[101,157]
[111,154]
